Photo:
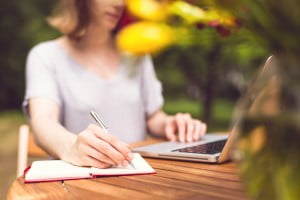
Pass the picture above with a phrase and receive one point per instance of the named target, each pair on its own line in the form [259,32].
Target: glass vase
[268,147]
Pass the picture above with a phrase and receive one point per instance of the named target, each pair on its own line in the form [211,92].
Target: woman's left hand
[184,127]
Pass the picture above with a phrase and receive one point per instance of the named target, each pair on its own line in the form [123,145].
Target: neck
[96,38]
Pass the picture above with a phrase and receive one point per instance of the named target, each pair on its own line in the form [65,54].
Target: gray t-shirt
[123,102]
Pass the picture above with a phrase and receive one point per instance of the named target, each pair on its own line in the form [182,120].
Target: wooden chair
[27,148]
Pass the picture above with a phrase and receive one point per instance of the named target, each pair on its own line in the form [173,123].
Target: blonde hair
[71,17]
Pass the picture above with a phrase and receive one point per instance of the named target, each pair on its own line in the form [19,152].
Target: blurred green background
[205,79]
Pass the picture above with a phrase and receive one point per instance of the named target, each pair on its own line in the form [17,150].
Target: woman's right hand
[97,148]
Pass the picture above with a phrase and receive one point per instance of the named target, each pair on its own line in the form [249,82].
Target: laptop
[212,148]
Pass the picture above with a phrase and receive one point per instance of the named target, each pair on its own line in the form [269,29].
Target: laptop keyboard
[208,148]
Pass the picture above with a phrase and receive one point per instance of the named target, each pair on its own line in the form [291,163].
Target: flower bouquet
[268,148]
[163,23]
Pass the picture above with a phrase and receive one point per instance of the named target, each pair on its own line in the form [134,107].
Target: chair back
[27,148]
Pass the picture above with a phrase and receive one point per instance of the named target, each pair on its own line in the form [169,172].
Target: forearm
[156,123]
[52,137]
[92,147]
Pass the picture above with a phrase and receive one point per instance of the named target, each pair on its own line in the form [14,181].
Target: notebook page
[139,164]
[55,169]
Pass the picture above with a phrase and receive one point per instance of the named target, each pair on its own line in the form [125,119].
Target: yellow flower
[221,16]
[243,144]
[257,138]
[148,9]
[145,37]
[191,14]
[194,14]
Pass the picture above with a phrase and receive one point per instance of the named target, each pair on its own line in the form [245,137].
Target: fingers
[199,130]
[109,151]
[99,156]
[111,146]
[181,125]
[204,129]
[189,129]
[90,161]
[95,147]
[185,128]
[170,129]
[85,148]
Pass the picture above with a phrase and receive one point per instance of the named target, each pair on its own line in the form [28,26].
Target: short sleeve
[152,87]
[40,77]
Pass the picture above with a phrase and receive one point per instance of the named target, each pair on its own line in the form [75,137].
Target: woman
[83,71]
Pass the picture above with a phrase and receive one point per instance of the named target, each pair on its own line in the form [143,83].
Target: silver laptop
[212,148]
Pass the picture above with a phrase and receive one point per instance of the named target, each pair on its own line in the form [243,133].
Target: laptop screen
[262,94]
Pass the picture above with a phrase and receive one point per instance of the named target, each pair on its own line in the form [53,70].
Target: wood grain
[174,180]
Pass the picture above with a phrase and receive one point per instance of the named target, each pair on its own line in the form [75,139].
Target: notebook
[55,170]
[213,147]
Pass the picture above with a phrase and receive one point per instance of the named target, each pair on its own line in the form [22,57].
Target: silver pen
[102,125]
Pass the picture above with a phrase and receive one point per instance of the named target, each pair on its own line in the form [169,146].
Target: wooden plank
[230,185]
[187,185]
[109,190]
[161,191]
[77,192]
[194,188]
[145,187]
[224,167]
[47,190]
[198,172]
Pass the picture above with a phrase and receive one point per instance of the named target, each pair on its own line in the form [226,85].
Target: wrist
[66,154]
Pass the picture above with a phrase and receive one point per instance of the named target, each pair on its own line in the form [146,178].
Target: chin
[110,26]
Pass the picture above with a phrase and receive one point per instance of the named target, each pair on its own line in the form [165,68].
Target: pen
[102,125]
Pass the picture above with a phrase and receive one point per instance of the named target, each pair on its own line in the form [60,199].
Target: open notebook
[54,170]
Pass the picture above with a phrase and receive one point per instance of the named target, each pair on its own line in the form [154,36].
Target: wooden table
[174,180]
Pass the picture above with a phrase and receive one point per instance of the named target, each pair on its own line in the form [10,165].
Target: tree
[22,25]
[206,66]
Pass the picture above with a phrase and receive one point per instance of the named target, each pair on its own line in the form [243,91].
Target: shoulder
[44,49]
[43,56]
[146,64]
[140,65]
[146,60]
[141,62]
[47,54]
